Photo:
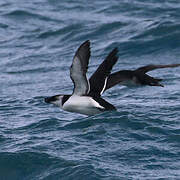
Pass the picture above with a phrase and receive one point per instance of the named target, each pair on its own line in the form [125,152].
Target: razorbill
[86,97]
[136,77]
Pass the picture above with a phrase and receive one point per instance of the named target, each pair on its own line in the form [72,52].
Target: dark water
[38,39]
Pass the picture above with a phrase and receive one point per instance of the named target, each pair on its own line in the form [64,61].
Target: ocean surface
[39,141]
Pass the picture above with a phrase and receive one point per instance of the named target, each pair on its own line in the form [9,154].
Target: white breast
[83,105]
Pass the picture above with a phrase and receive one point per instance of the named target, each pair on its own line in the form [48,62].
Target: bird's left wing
[79,68]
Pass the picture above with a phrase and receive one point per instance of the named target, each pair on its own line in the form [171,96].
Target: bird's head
[56,100]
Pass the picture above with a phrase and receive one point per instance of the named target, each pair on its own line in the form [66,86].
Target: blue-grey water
[38,141]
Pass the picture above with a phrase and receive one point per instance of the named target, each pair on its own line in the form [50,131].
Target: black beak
[50,99]
[47,100]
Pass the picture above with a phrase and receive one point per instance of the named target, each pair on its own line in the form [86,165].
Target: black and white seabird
[137,77]
[86,97]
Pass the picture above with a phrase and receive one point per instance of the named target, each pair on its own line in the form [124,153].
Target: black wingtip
[84,51]
[85,43]
[115,50]
[113,54]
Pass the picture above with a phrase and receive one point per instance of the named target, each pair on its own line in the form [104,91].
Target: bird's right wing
[98,80]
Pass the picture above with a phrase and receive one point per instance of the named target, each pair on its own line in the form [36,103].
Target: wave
[25,14]
[40,141]
[62,31]
[30,165]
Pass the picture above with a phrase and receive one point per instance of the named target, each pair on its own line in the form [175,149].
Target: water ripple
[38,40]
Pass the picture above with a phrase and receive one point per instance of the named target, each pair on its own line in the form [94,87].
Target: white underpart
[104,85]
[83,105]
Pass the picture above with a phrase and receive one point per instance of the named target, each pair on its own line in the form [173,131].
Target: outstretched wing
[151,67]
[79,68]
[119,77]
[99,79]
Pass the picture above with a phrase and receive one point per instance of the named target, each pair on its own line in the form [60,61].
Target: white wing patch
[105,82]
